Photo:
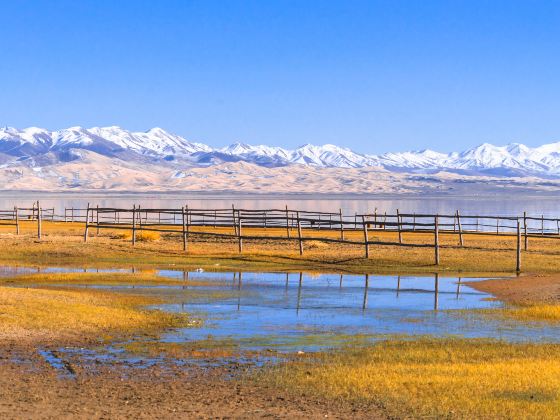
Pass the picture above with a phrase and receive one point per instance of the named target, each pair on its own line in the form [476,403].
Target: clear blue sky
[371,75]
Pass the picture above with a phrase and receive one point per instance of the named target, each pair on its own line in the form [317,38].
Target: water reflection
[503,205]
[285,308]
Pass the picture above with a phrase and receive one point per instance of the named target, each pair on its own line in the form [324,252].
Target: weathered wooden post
[414,222]
[72,215]
[239,235]
[542,225]
[233,220]
[366,241]
[287,222]
[526,238]
[134,225]
[436,238]
[87,224]
[399,226]
[97,218]
[184,228]
[65,215]
[497,225]
[16,211]
[39,217]
[341,225]
[518,259]
[299,233]
[458,215]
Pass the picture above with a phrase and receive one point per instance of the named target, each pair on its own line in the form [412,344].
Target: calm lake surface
[502,205]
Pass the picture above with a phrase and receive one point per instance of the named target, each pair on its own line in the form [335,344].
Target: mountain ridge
[38,147]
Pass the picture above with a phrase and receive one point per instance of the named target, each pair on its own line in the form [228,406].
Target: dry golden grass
[547,313]
[89,278]
[147,236]
[451,378]
[55,315]
[63,244]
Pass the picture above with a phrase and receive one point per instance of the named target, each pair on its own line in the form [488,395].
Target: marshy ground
[55,328]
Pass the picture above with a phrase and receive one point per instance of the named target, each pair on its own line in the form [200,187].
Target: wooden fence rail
[292,225]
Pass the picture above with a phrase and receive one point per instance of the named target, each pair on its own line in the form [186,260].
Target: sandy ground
[527,289]
[30,388]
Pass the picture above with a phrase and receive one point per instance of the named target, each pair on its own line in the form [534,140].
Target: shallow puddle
[293,312]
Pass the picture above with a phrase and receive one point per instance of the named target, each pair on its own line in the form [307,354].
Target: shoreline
[528,289]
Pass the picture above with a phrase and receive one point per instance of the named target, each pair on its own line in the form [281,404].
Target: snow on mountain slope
[38,147]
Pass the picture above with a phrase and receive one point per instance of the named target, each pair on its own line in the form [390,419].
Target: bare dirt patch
[523,290]
[30,388]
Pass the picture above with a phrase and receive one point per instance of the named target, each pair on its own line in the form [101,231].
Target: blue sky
[374,76]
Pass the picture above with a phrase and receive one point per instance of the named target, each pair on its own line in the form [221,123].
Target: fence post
[366,241]
[16,211]
[39,227]
[299,234]
[233,219]
[414,222]
[189,221]
[341,225]
[239,231]
[97,218]
[526,238]
[518,259]
[287,222]
[497,225]
[460,228]
[65,215]
[436,238]
[184,229]
[134,225]
[72,215]
[87,224]
[542,225]
[399,226]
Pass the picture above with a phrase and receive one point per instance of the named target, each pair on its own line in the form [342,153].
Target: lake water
[503,205]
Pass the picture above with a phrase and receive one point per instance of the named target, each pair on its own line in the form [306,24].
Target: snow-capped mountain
[37,147]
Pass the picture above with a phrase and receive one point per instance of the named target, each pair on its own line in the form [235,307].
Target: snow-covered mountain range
[40,148]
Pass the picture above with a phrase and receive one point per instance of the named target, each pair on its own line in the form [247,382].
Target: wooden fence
[293,225]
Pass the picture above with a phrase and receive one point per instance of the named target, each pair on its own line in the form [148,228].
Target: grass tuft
[148,236]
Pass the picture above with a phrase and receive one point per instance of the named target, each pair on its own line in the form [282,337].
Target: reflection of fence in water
[237,284]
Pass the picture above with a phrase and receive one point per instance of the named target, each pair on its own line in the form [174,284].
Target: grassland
[63,244]
[451,378]
[448,378]
[51,316]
